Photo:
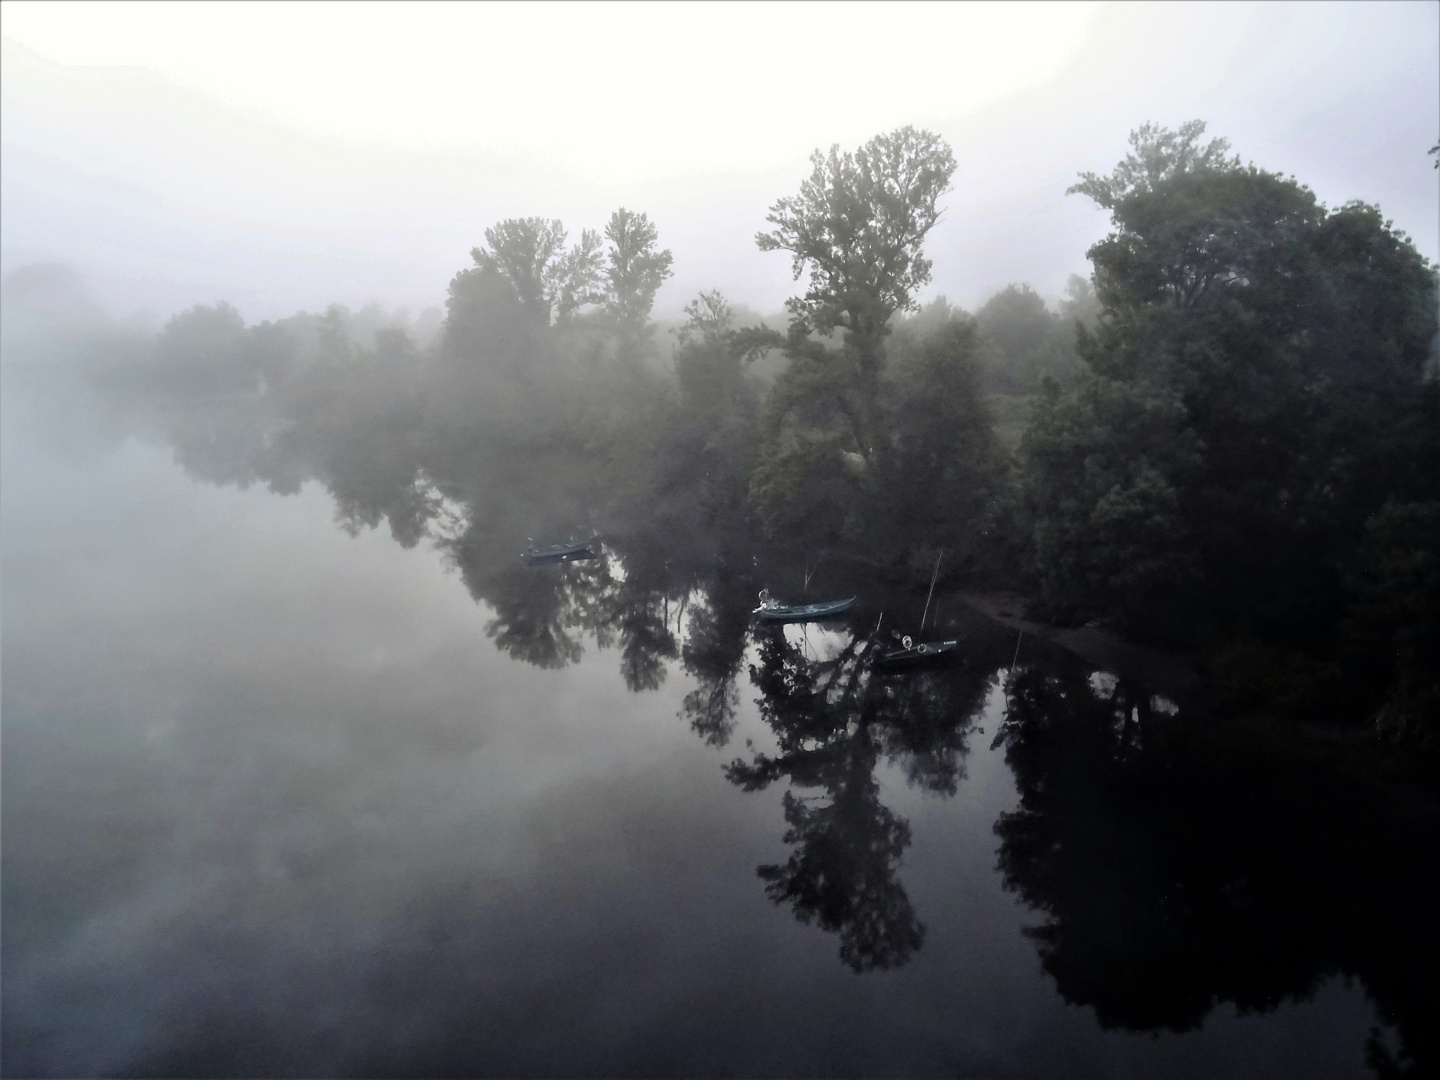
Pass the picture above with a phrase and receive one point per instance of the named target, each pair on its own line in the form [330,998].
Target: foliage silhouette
[1175,872]
[834,721]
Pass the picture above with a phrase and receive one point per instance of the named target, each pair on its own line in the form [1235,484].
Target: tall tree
[858,226]
[1254,392]
[530,254]
[524,251]
[635,269]
[578,276]
[840,425]
[1156,155]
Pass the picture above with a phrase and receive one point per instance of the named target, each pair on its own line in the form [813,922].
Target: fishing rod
[933,576]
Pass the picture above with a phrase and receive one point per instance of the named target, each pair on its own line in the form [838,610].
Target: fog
[720,540]
[290,159]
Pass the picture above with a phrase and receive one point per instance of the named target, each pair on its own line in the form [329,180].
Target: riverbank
[1170,672]
[1351,750]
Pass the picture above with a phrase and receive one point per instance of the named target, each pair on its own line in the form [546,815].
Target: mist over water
[276,803]
[424,686]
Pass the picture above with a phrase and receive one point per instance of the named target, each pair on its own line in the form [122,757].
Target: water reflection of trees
[834,720]
[1177,872]
[639,599]
[713,654]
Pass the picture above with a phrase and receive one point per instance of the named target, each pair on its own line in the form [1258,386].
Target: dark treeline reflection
[1176,874]
[850,452]
[834,720]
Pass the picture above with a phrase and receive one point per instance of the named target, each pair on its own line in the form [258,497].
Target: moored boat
[912,654]
[773,611]
[557,553]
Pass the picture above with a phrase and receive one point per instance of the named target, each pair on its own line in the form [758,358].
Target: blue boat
[772,611]
[558,553]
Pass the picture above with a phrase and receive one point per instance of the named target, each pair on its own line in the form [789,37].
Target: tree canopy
[1156,155]
[635,270]
[1254,392]
[858,225]
[550,281]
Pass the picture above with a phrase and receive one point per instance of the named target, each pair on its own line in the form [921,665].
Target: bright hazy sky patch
[614,91]
[287,156]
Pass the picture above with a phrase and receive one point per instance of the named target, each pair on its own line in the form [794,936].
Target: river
[276,804]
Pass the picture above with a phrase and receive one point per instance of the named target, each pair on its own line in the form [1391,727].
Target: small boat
[911,654]
[773,611]
[558,553]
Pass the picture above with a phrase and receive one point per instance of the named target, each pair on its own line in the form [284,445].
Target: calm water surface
[276,804]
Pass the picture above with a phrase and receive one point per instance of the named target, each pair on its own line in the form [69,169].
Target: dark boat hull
[929,652]
[560,553]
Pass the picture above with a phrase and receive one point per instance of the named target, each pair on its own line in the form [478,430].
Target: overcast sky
[289,156]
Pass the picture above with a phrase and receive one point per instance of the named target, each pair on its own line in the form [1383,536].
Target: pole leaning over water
[931,593]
